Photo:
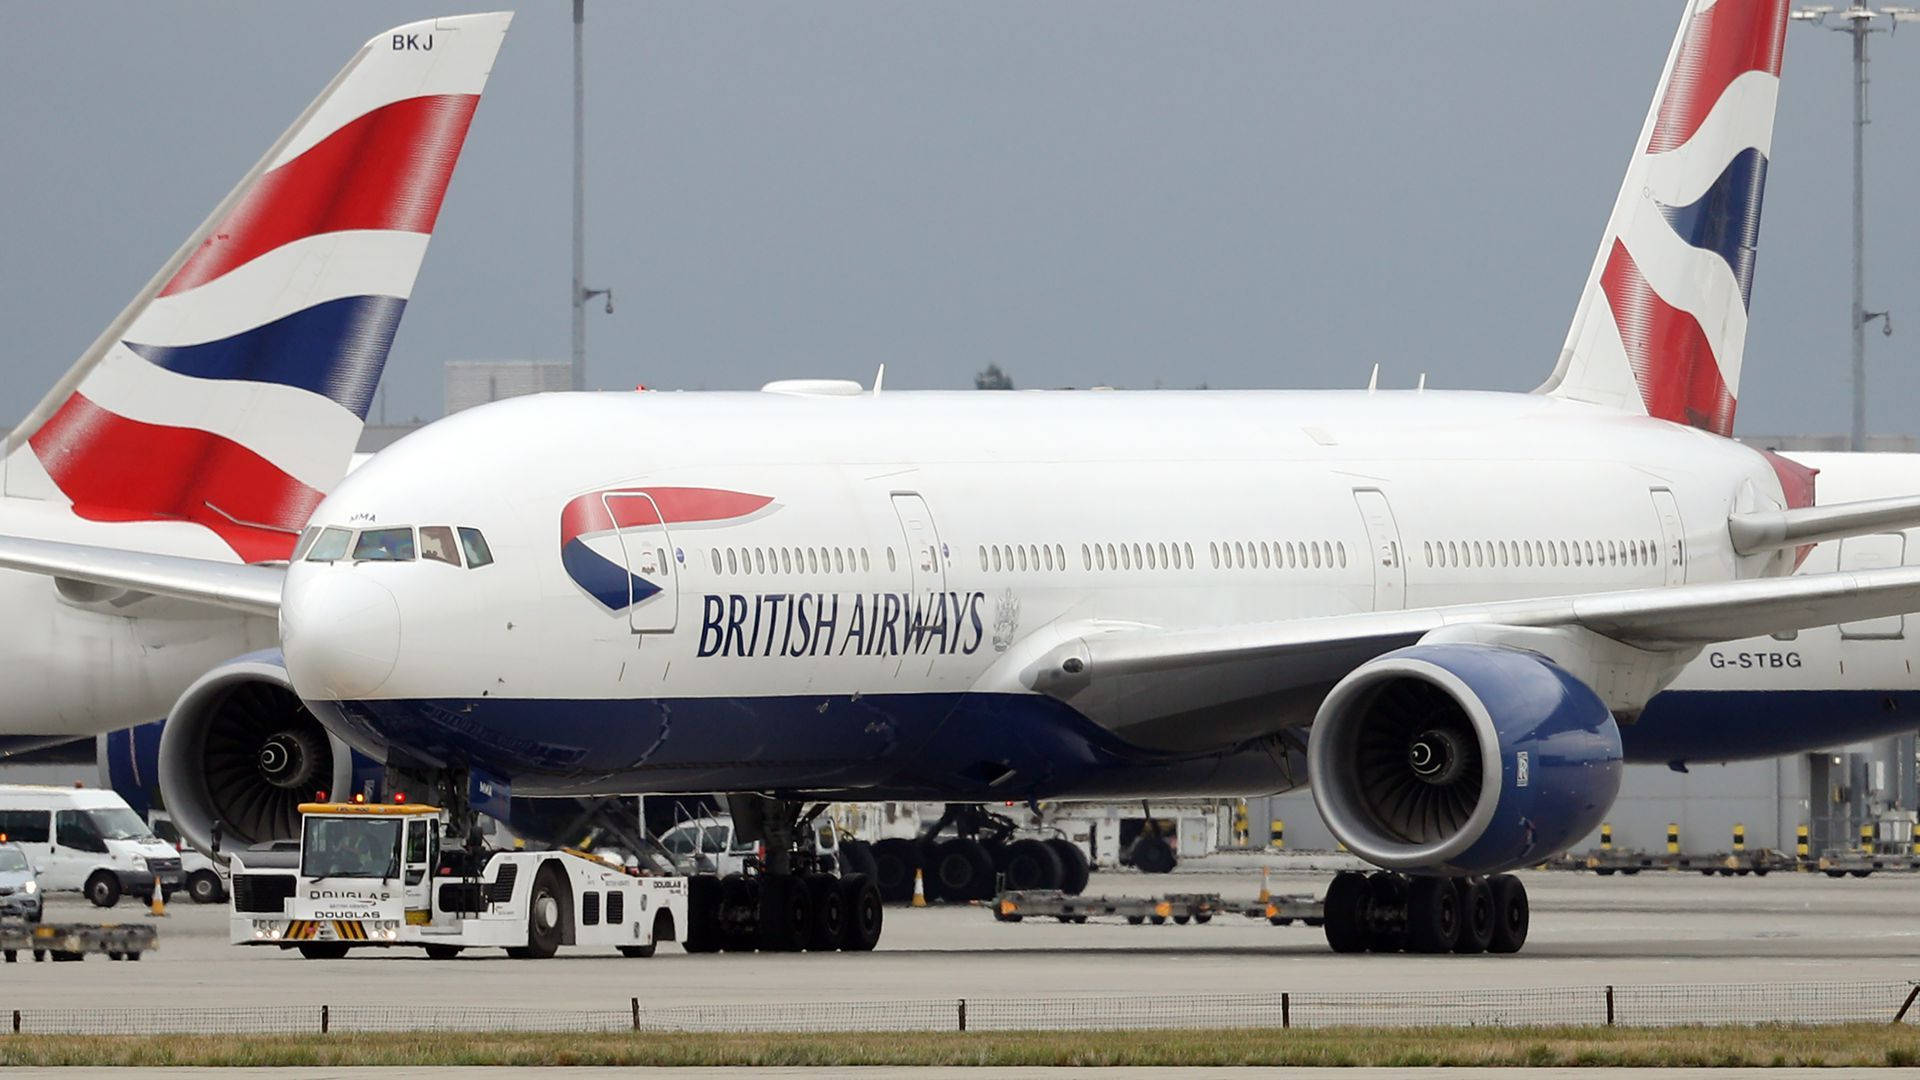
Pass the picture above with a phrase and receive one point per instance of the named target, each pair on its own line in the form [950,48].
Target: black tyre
[1182,920]
[856,857]
[786,917]
[865,916]
[103,889]
[1631,872]
[1347,910]
[739,913]
[1153,855]
[1861,873]
[1476,916]
[1136,920]
[1433,915]
[442,952]
[894,862]
[1032,864]
[827,922]
[1075,870]
[637,952]
[703,914]
[204,887]
[1510,914]
[960,870]
[549,908]
[1388,892]
[323,950]
[1604,871]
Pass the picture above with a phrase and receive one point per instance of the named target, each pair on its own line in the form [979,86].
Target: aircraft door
[1880,551]
[926,559]
[1383,538]
[653,575]
[1673,538]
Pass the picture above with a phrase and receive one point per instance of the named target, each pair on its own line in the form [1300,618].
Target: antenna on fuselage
[878,378]
[1373,380]
[1422,387]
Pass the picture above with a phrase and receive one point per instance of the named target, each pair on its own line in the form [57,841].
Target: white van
[89,841]
[706,845]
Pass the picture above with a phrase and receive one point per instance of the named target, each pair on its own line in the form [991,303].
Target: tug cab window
[384,545]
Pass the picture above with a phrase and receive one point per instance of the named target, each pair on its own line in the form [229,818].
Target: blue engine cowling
[1462,759]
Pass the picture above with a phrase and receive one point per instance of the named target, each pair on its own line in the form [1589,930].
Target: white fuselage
[998,523]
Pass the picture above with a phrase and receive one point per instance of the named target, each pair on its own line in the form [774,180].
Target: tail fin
[231,392]
[1663,322]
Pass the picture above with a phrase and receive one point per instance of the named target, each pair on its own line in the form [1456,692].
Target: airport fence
[1625,1006]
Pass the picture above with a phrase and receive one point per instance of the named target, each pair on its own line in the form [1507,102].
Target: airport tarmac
[1652,928]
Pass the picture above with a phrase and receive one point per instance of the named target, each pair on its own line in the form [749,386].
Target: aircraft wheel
[1032,864]
[1510,914]
[1347,907]
[1076,870]
[1476,915]
[894,862]
[864,914]
[786,918]
[1388,891]
[826,924]
[1153,855]
[1433,915]
[856,857]
[739,913]
[960,870]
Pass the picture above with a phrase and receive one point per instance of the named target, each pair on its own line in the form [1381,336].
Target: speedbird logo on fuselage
[631,526]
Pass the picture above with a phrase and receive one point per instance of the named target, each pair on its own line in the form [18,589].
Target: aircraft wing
[254,590]
[1765,530]
[1253,675]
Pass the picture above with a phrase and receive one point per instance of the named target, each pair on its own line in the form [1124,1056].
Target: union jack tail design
[1663,322]
[230,393]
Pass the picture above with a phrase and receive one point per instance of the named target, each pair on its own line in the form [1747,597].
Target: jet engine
[1462,759]
[240,749]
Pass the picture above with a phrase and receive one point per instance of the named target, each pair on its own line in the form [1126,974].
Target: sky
[1120,192]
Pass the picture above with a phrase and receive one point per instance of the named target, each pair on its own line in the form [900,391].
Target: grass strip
[1831,1046]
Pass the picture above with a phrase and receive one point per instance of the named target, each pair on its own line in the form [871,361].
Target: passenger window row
[794,560]
[1549,553]
[998,558]
[1278,555]
[394,543]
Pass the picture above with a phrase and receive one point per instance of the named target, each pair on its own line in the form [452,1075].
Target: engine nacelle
[1462,759]
[240,749]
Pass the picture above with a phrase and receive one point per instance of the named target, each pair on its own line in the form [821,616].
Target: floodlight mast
[1859,21]
[581,293]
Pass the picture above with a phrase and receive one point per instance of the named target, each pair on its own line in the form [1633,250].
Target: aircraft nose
[340,634]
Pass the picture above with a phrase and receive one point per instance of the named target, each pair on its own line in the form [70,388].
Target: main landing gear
[1388,912]
[789,902]
[980,857]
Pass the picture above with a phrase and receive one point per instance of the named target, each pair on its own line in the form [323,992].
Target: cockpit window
[436,543]
[384,545]
[331,544]
[475,545]
[306,541]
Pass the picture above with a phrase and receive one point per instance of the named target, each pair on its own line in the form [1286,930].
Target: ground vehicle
[707,845]
[20,896]
[87,840]
[205,880]
[378,875]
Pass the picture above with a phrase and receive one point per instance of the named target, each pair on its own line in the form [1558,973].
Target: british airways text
[829,624]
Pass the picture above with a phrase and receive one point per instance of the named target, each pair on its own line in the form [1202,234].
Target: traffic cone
[159,908]
[1266,894]
[919,889]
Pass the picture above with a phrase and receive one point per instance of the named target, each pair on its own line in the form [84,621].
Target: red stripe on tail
[1724,42]
[386,170]
[116,469]
[1673,363]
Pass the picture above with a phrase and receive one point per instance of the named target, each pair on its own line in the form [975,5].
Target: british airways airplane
[213,415]
[1442,611]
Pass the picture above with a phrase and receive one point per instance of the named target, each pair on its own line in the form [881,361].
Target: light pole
[1860,22]
[581,294]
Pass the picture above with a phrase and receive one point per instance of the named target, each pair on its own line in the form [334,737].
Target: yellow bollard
[919,889]
[1673,838]
[1266,894]
[1866,838]
[1739,837]
[1276,833]
[1606,837]
[1802,846]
